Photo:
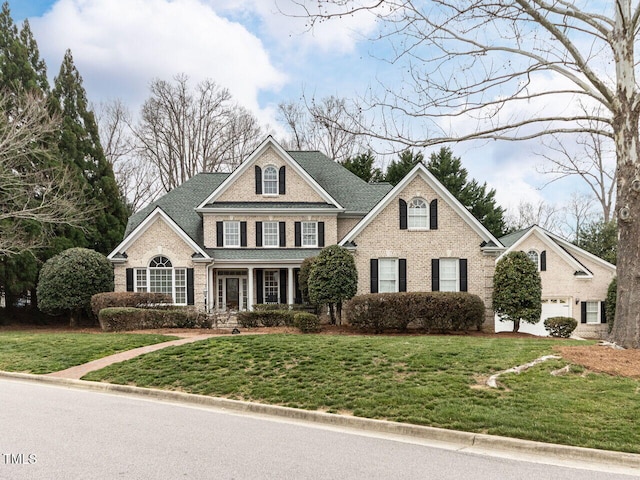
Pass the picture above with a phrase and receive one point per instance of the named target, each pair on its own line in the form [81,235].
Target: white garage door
[551,307]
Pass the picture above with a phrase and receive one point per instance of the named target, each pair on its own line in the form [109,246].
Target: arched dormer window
[534,257]
[418,214]
[270,180]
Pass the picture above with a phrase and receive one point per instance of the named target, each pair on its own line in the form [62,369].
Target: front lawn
[50,352]
[429,380]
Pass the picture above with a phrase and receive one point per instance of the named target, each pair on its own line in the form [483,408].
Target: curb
[462,439]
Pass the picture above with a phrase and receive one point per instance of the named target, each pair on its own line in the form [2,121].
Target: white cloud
[119,46]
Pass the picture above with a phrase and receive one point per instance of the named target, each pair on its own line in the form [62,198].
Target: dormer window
[270,181]
[418,214]
[534,257]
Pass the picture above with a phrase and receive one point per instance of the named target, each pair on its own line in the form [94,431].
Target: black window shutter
[283,286]
[260,286]
[282,180]
[190,294]
[296,286]
[243,234]
[402,275]
[583,312]
[435,275]
[433,214]
[219,234]
[258,180]
[298,230]
[282,234]
[373,263]
[129,279]
[603,312]
[463,275]
[403,214]
[321,234]
[258,234]
[543,261]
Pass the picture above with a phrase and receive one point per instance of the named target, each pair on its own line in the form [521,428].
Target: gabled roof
[565,249]
[268,143]
[489,241]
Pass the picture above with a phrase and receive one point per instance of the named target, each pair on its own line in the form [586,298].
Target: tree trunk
[332,314]
[74,318]
[516,325]
[339,312]
[626,327]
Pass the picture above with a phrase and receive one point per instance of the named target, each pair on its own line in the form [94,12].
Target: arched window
[270,180]
[418,214]
[534,257]
[161,277]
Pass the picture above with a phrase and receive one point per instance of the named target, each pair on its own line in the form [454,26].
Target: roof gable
[248,163]
[421,171]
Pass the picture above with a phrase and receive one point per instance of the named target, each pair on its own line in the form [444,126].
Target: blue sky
[262,56]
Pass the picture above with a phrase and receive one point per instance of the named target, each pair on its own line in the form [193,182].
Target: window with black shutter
[282,180]
[403,214]
[433,214]
[373,274]
[258,180]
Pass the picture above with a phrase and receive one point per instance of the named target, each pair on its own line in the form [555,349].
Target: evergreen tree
[475,197]
[362,166]
[397,170]
[601,239]
[79,145]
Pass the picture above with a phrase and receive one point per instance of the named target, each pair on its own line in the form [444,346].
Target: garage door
[551,307]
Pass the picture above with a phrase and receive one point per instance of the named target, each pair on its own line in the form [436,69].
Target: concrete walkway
[80,371]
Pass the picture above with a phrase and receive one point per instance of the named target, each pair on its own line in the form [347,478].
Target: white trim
[268,142]
[570,246]
[224,233]
[302,244]
[439,189]
[279,211]
[158,213]
[277,245]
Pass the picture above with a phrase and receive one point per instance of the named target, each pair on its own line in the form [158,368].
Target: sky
[261,55]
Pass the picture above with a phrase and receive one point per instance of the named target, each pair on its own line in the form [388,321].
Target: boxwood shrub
[561,327]
[130,318]
[430,311]
[266,318]
[129,299]
[307,322]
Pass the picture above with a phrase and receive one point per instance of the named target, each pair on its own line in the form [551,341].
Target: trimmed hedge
[430,311]
[128,299]
[304,307]
[307,322]
[266,318]
[561,327]
[113,319]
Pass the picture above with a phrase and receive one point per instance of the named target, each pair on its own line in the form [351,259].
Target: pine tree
[79,146]
[397,170]
[362,166]
[475,197]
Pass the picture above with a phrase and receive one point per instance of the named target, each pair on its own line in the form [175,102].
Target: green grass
[46,353]
[430,380]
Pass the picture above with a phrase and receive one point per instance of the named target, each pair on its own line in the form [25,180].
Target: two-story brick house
[229,241]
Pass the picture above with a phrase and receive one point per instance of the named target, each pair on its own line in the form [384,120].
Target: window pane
[592,312]
[449,275]
[231,234]
[270,234]
[160,280]
[270,181]
[533,256]
[141,279]
[271,290]
[387,275]
[181,286]
[418,214]
[309,237]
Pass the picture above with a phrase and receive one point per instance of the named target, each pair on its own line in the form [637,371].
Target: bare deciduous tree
[327,125]
[543,214]
[510,70]
[36,193]
[137,179]
[184,132]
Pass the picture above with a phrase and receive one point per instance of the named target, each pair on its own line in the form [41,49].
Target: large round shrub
[68,280]
[517,290]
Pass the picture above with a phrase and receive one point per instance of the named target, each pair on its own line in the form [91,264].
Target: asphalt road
[51,432]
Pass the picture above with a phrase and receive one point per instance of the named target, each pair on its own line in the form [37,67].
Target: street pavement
[53,432]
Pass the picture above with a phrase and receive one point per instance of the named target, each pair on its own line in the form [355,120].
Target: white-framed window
[387,275]
[309,234]
[593,312]
[162,277]
[534,257]
[271,286]
[231,234]
[270,180]
[418,214]
[270,234]
[449,275]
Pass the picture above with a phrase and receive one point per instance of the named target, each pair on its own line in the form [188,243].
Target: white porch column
[290,285]
[250,290]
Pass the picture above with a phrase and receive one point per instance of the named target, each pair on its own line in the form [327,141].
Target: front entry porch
[238,289]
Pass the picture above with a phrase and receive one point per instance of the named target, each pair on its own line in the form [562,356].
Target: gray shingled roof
[180,204]
[349,190]
[512,238]
[268,205]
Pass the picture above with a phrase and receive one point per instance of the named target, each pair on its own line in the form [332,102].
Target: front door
[233,292]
